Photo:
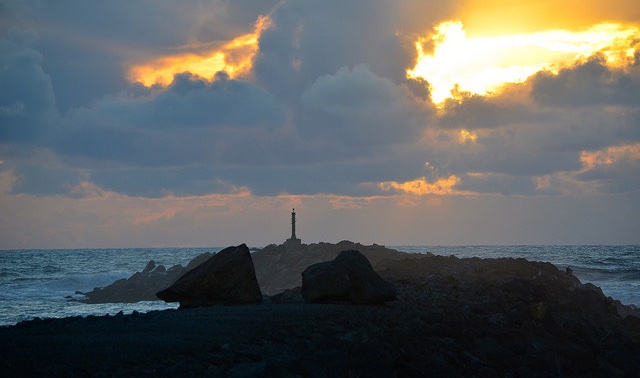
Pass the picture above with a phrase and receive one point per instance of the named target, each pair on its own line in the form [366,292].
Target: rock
[288,296]
[276,270]
[197,261]
[150,266]
[624,310]
[348,278]
[159,269]
[228,277]
[279,269]
[141,286]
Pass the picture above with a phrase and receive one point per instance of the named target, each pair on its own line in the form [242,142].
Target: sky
[408,122]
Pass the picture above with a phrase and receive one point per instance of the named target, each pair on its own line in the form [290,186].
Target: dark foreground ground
[470,318]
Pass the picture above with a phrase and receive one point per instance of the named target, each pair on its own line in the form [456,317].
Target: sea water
[40,283]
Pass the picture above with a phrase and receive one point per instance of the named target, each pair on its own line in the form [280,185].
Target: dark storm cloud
[356,107]
[191,121]
[189,101]
[27,101]
[586,84]
[480,112]
[310,39]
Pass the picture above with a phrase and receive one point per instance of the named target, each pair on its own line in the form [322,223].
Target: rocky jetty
[228,277]
[279,269]
[348,278]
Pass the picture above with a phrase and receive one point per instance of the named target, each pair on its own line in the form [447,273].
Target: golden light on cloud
[609,156]
[466,136]
[421,186]
[234,57]
[461,63]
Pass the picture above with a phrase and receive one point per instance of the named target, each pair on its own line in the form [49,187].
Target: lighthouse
[293,242]
[293,224]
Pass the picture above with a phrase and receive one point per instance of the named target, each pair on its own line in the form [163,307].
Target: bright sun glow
[480,65]
[234,57]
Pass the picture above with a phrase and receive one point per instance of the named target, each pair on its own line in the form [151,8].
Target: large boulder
[228,277]
[348,278]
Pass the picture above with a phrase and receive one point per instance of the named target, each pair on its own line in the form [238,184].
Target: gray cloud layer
[327,108]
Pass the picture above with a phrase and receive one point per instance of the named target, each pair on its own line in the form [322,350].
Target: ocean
[39,283]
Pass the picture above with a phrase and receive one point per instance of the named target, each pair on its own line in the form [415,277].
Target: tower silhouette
[293,224]
[293,242]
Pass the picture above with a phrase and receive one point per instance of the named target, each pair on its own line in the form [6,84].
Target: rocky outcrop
[348,278]
[228,277]
[141,286]
[279,269]
[276,270]
[448,321]
[511,317]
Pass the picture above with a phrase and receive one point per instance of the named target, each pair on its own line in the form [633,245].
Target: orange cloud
[421,186]
[234,57]
[570,183]
[609,156]
[466,136]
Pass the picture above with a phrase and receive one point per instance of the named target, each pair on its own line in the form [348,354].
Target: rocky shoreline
[452,317]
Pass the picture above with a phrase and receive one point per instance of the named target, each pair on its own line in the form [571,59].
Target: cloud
[586,84]
[614,169]
[27,100]
[310,39]
[498,183]
[355,106]
[484,112]
[421,186]
[330,108]
[89,45]
[530,138]
[192,121]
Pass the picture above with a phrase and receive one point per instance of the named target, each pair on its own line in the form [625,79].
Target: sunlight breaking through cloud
[460,63]
[421,186]
[234,57]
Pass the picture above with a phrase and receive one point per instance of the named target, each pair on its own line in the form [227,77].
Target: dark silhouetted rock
[288,296]
[141,286]
[279,269]
[228,277]
[348,278]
